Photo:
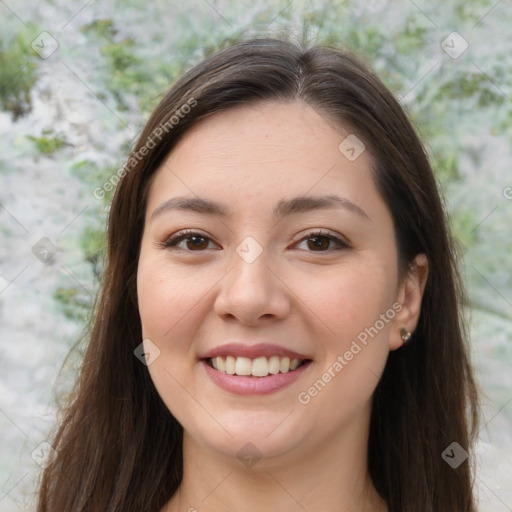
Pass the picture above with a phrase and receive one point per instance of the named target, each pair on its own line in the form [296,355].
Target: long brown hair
[119,447]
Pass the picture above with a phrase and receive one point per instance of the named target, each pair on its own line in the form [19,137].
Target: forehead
[254,155]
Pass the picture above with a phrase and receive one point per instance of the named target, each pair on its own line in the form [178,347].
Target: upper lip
[252,351]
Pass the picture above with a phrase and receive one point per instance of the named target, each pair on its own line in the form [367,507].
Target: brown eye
[322,242]
[189,241]
[318,243]
[196,243]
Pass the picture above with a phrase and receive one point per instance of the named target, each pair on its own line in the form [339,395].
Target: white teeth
[221,364]
[294,364]
[230,365]
[284,365]
[273,365]
[258,367]
[243,366]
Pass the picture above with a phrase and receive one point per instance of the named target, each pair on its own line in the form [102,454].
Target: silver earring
[405,334]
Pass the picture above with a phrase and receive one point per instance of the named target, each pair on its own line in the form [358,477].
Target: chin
[261,435]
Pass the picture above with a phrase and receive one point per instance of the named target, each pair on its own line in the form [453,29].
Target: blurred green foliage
[125,71]
[18,71]
[93,175]
[93,244]
[74,303]
[48,143]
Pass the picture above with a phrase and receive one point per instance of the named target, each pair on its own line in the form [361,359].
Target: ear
[410,294]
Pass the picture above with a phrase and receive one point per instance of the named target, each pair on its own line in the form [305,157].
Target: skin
[316,302]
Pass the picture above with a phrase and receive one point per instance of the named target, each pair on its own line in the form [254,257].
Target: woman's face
[266,242]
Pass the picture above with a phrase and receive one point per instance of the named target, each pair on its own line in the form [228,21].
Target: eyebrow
[285,207]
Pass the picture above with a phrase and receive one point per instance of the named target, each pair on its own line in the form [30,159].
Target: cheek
[354,351]
[355,307]
[166,297]
[349,300]
[170,302]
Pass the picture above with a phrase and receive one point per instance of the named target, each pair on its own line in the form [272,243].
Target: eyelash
[174,240]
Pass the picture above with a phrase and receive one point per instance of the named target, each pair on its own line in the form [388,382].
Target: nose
[252,293]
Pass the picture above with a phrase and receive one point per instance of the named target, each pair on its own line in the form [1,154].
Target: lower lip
[247,385]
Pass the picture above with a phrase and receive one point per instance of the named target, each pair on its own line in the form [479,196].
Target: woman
[279,324]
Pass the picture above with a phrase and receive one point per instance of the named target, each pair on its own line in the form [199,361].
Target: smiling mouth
[257,367]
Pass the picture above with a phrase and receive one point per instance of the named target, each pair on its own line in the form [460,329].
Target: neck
[334,478]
